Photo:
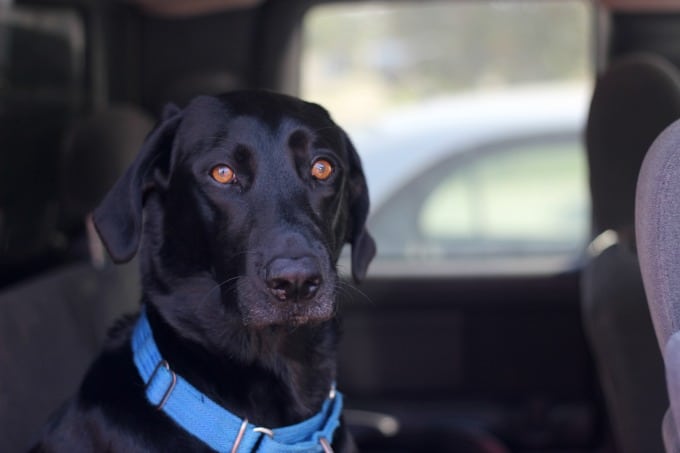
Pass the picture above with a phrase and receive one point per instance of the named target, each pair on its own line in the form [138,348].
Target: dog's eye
[223,174]
[321,169]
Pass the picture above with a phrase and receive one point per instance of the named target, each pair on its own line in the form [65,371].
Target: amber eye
[321,169]
[223,174]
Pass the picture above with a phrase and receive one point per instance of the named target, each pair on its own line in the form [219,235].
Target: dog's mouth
[302,320]
[258,314]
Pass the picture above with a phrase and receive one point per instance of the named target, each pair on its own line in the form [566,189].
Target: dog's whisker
[350,290]
[246,252]
[219,285]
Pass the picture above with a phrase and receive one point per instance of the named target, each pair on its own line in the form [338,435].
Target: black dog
[239,206]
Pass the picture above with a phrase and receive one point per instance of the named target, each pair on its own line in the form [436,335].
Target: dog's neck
[273,376]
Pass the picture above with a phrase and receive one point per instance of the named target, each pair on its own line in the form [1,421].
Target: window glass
[42,67]
[510,200]
[41,53]
[468,117]
[524,194]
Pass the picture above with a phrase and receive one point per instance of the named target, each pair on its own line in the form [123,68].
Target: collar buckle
[163,363]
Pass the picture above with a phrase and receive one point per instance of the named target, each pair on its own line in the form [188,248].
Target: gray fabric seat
[50,330]
[633,101]
[658,238]
[52,325]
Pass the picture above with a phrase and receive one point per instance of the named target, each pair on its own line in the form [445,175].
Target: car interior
[523,298]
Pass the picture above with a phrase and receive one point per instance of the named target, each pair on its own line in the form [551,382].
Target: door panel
[507,355]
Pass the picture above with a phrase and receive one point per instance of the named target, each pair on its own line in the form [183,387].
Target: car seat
[52,325]
[633,101]
[658,238]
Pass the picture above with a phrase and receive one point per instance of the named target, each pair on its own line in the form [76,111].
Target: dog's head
[240,205]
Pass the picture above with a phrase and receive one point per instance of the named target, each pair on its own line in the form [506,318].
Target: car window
[472,147]
[41,53]
[42,69]
[508,200]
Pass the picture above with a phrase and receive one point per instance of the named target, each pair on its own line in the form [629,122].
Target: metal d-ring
[325,445]
[263,430]
[168,391]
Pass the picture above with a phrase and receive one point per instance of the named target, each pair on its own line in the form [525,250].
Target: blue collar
[216,426]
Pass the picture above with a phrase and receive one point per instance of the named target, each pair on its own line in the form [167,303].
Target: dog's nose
[293,279]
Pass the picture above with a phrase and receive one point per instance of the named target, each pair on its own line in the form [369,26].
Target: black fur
[211,257]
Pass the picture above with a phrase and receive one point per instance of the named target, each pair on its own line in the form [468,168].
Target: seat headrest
[658,231]
[97,151]
[181,90]
[633,101]
[40,59]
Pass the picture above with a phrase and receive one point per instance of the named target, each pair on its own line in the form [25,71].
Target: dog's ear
[363,245]
[118,218]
